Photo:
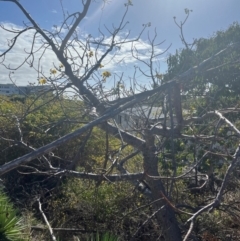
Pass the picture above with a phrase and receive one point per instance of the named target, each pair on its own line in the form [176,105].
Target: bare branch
[46,221]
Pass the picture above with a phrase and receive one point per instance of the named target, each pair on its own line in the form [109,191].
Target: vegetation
[12,226]
[68,161]
[104,237]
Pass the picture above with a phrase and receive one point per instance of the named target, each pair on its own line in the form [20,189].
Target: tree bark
[166,216]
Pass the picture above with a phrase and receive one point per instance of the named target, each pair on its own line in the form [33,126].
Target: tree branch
[46,221]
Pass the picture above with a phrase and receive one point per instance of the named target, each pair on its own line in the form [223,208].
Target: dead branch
[46,221]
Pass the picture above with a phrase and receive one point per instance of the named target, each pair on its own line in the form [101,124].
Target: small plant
[104,237]
[11,226]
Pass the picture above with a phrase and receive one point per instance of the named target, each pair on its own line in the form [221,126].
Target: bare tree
[147,130]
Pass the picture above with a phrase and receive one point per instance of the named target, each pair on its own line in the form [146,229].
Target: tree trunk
[166,216]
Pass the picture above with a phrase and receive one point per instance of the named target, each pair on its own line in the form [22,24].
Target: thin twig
[46,221]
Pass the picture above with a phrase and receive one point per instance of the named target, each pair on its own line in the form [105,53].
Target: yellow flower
[106,74]
[101,66]
[90,54]
[42,81]
[61,66]
[53,71]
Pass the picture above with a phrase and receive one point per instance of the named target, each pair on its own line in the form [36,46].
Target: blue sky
[207,17]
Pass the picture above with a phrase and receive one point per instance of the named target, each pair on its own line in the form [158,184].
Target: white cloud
[16,56]
[119,57]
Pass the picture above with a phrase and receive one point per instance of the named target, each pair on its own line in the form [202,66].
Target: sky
[207,17]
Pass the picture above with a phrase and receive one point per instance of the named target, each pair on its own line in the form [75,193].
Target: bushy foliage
[79,203]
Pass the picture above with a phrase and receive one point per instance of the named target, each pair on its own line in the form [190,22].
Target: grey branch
[46,221]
